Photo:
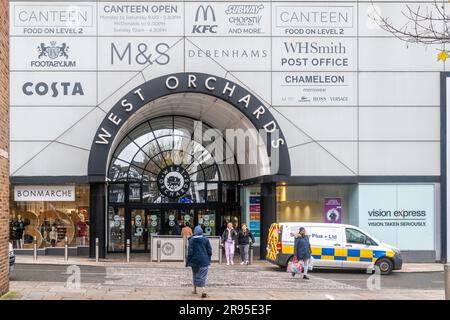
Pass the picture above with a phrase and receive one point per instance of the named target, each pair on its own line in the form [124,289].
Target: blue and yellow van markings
[343,254]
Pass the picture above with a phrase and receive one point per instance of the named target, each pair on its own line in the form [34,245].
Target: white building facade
[94,83]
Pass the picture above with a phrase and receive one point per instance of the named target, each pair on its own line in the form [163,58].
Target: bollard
[447,280]
[220,252]
[35,248]
[185,251]
[128,250]
[151,249]
[66,250]
[158,251]
[96,249]
[250,261]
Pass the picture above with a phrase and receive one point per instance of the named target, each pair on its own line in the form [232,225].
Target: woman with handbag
[302,251]
[229,240]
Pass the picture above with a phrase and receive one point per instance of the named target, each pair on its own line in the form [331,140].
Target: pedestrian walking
[302,251]
[245,237]
[176,228]
[229,240]
[186,231]
[199,259]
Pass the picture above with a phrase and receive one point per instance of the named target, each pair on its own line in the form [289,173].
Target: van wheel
[386,266]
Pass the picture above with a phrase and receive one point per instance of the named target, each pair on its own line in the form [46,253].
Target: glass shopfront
[162,180]
[317,203]
[50,221]
[393,213]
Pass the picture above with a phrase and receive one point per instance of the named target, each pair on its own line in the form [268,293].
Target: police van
[333,246]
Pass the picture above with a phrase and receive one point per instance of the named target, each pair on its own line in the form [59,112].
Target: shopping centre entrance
[161,180]
[151,172]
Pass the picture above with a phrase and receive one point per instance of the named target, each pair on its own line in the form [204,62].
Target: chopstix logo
[245,15]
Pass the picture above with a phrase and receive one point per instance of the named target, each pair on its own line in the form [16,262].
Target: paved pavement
[139,259]
[144,280]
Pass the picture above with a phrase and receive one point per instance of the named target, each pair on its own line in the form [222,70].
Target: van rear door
[327,245]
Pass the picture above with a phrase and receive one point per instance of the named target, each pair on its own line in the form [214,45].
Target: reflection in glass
[137,229]
[164,141]
[116,229]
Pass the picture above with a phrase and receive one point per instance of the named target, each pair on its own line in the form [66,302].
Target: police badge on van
[53,56]
[173,181]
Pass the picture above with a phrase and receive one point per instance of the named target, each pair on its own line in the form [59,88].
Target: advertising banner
[254,214]
[400,215]
[333,210]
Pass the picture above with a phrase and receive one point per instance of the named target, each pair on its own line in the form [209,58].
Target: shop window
[50,221]
[116,229]
[212,192]
[116,193]
[229,192]
[317,203]
[134,192]
[150,192]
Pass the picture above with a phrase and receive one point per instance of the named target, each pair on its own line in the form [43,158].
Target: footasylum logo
[205,14]
[53,56]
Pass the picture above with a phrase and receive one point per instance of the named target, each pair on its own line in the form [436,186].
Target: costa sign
[221,88]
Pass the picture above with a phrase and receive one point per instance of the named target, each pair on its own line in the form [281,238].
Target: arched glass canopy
[169,140]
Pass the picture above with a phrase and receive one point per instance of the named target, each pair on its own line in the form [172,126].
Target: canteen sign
[314,20]
[58,18]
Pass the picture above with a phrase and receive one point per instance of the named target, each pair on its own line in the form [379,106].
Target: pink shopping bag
[294,267]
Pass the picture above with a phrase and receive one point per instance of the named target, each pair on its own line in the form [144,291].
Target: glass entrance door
[138,230]
[144,224]
[207,219]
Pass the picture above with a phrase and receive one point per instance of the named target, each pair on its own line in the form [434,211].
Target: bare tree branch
[429,25]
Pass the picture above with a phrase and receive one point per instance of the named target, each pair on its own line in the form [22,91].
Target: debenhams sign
[44,193]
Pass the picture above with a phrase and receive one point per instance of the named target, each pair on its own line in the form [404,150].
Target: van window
[357,237]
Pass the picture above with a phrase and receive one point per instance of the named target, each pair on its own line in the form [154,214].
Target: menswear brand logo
[53,51]
[53,56]
[205,14]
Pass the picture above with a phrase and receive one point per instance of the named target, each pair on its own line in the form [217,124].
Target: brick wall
[4,147]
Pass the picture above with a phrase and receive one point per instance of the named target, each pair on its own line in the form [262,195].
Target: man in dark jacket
[199,258]
[302,251]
